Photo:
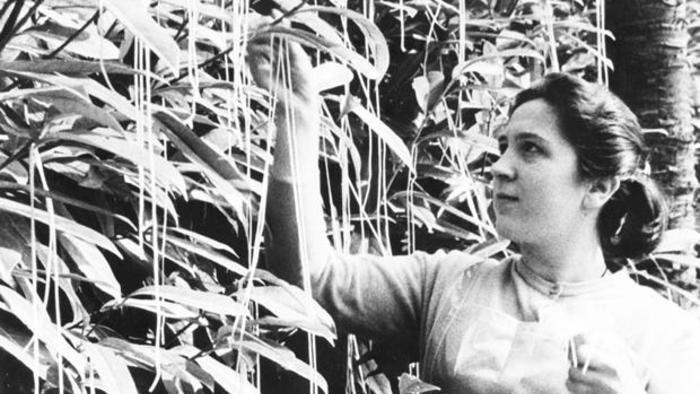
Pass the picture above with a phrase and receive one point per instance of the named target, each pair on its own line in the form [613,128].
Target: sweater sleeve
[377,297]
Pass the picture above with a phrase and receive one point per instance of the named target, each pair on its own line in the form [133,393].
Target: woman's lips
[504,203]
[506,197]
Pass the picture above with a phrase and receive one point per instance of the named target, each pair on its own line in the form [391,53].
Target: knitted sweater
[485,327]
[496,327]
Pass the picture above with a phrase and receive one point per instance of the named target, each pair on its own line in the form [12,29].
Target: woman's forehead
[534,118]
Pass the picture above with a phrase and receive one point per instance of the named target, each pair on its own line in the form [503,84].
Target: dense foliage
[134,155]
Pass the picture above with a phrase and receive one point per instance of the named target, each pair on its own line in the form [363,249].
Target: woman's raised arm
[294,206]
[375,296]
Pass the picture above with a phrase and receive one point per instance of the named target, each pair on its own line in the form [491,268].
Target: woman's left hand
[596,369]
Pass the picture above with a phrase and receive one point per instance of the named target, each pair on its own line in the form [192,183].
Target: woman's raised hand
[282,68]
[599,369]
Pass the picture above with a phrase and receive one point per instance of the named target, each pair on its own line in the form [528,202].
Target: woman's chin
[508,230]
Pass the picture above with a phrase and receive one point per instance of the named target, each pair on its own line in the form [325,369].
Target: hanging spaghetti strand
[602,48]
[290,116]
[140,140]
[36,304]
[51,264]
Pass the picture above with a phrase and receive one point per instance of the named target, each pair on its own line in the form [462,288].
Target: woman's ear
[599,192]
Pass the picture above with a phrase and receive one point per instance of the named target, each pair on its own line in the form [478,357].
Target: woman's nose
[503,167]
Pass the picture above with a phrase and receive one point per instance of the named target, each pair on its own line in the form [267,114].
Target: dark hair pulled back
[608,142]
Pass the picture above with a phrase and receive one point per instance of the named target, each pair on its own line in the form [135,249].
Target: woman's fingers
[589,377]
[592,358]
[579,388]
[601,369]
[262,60]
[583,354]
[591,381]
[282,68]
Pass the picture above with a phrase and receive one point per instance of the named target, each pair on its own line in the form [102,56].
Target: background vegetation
[134,155]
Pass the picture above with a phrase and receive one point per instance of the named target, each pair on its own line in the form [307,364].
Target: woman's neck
[575,261]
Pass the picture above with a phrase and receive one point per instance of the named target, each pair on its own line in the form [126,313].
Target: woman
[569,191]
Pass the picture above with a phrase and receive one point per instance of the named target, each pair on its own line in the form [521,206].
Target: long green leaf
[271,351]
[586,26]
[169,310]
[373,36]
[172,365]
[218,170]
[70,103]
[355,60]
[36,319]
[14,245]
[344,144]
[227,378]
[203,152]
[293,9]
[680,259]
[67,200]
[14,169]
[203,9]
[88,43]
[489,248]
[22,93]
[520,52]
[68,67]
[130,150]
[331,75]
[54,263]
[62,224]
[111,98]
[203,239]
[296,308]
[11,344]
[89,86]
[210,302]
[92,263]
[443,206]
[284,358]
[9,259]
[112,370]
[384,132]
[211,255]
[135,16]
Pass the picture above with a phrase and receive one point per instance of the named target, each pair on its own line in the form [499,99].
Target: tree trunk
[652,75]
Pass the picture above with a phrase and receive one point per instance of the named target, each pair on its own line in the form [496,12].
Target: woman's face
[538,194]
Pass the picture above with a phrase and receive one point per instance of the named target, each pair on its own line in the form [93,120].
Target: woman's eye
[530,148]
[502,147]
